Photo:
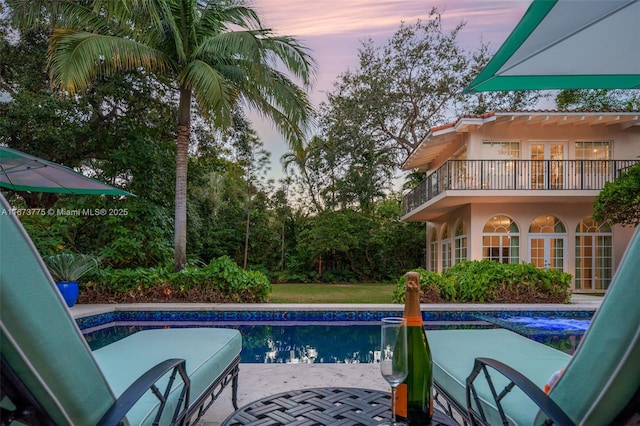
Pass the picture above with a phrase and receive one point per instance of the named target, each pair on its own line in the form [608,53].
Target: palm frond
[215,96]
[295,56]
[244,44]
[132,10]
[78,57]
[151,22]
[283,92]
[52,14]
[217,15]
[276,97]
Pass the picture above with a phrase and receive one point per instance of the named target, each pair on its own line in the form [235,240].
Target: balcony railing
[516,175]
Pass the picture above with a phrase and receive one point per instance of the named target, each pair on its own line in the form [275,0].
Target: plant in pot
[66,269]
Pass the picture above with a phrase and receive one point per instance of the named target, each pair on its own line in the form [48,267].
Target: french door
[547,251]
[547,165]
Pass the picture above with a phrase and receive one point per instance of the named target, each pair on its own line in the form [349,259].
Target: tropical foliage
[68,266]
[487,281]
[214,52]
[379,112]
[619,201]
[598,99]
[334,218]
[219,281]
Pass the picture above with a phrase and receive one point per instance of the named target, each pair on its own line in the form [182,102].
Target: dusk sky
[333,31]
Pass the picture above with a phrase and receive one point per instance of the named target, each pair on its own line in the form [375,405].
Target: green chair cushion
[454,352]
[39,338]
[208,351]
[47,351]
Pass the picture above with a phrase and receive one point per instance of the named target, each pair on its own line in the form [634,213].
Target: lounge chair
[50,376]
[600,383]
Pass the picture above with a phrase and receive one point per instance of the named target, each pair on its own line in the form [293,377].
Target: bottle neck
[412,300]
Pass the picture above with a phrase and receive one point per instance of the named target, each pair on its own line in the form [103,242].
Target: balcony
[514,175]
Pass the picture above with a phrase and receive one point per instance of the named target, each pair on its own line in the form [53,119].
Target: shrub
[218,282]
[429,284]
[487,281]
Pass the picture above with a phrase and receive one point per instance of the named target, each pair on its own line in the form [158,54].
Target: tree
[213,52]
[598,100]
[303,157]
[229,211]
[361,172]
[281,207]
[64,130]
[348,245]
[116,131]
[619,201]
[380,112]
[410,84]
[252,158]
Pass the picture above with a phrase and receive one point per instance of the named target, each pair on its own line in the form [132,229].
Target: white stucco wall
[477,215]
[626,143]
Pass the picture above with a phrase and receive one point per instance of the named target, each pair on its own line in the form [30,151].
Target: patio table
[322,406]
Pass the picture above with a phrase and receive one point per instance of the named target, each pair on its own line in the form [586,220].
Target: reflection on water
[551,323]
[562,333]
[301,343]
[294,344]
[563,342]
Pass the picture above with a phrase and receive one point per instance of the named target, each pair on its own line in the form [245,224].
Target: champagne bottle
[414,395]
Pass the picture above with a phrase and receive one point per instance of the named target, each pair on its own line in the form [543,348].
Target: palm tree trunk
[248,227]
[282,247]
[182,160]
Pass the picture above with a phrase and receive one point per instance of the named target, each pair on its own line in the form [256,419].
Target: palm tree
[300,156]
[215,52]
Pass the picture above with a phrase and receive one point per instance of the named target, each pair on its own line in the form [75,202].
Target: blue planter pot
[69,291]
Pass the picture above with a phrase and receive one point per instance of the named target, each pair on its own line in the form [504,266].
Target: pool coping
[85,310]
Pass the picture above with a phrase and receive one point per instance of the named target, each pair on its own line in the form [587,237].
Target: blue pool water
[337,340]
[551,324]
[285,343]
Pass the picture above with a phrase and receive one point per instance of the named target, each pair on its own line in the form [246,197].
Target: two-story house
[520,186]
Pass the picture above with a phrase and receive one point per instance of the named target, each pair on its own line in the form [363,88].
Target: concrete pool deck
[260,380]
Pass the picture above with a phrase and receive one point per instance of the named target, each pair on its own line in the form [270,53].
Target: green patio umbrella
[24,172]
[568,44]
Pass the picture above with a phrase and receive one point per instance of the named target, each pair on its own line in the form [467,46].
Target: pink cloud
[334,29]
[331,17]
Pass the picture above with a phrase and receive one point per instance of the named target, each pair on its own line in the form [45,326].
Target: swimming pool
[320,336]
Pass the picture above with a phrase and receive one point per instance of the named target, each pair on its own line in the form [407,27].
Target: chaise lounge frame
[496,376]
[40,385]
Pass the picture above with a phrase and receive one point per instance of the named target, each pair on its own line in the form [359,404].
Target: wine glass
[393,358]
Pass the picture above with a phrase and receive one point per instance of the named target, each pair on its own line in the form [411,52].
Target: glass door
[547,165]
[547,251]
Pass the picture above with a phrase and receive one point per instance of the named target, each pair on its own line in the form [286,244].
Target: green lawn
[331,293]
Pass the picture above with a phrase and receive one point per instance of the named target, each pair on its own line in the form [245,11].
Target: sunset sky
[333,31]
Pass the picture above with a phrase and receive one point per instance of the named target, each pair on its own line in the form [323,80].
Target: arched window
[460,241]
[594,255]
[547,242]
[433,250]
[446,247]
[547,225]
[501,240]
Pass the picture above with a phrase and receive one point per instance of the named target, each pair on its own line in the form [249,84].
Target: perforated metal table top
[321,406]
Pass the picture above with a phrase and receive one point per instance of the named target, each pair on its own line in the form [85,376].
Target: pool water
[304,342]
[551,324]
